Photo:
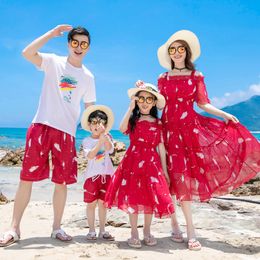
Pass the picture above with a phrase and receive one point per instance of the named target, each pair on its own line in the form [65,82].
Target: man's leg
[21,201]
[59,200]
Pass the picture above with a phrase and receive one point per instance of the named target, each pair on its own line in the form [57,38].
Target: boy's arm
[108,143]
[31,51]
[93,152]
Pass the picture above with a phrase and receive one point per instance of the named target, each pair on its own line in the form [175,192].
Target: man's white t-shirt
[101,164]
[63,88]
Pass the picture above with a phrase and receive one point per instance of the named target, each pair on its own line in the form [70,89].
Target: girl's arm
[124,123]
[217,112]
[162,154]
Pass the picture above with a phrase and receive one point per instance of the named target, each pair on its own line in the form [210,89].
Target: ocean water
[12,138]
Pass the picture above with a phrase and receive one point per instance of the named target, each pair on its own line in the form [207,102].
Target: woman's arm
[217,112]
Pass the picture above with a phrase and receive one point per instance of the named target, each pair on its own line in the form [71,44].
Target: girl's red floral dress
[139,185]
[205,156]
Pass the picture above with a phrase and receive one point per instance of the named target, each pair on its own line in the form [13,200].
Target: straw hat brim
[90,109]
[189,37]
[160,103]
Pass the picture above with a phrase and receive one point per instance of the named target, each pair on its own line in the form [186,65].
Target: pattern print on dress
[138,185]
[205,157]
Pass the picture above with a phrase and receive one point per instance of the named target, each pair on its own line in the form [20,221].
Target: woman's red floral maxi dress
[138,185]
[205,156]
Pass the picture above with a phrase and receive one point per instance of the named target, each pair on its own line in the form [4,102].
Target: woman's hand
[230,117]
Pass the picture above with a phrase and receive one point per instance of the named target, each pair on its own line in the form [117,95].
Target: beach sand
[226,229]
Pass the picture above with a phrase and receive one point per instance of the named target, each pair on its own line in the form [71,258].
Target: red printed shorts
[41,140]
[95,188]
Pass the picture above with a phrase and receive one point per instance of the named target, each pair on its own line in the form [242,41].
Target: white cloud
[236,96]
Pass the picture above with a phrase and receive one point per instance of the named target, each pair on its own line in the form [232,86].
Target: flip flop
[60,235]
[150,240]
[177,237]
[91,236]
[134,243]
[194,244]
[14,237]
[106,236]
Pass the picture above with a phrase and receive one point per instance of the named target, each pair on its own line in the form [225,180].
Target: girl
[205,157]
[139,183]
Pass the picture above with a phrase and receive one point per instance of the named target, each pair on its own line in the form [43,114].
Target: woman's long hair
[136,113]
[188,63]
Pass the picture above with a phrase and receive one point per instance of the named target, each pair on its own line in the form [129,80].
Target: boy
[97,147]
[53,128]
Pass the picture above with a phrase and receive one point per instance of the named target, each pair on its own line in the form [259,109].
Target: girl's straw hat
[151,89]
[189,37]
[90,109]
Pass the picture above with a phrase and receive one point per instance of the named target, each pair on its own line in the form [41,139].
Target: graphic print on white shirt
[101,164]
[67,85]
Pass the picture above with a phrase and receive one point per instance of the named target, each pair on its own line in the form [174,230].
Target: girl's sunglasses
[75,43]
[173,50]
[148,100]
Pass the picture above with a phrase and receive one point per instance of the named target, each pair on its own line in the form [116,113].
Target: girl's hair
[136,113]
[188,64]
[97,113]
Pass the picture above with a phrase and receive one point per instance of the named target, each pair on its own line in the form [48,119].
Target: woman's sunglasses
[173,50]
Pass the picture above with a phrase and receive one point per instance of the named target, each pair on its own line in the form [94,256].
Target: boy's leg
[91,207]
[102,214]
[21,201]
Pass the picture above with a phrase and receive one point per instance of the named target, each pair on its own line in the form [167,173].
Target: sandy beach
[226,229]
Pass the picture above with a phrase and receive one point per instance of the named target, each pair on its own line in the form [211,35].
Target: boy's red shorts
[40,141]
[95,188]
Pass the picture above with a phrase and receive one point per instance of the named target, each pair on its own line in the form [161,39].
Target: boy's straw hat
[151,89]
[90,109]
[187,36]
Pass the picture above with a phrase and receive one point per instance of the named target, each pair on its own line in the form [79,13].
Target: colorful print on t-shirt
[67,85]
[100,157]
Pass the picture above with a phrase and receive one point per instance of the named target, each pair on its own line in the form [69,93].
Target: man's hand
[60,29]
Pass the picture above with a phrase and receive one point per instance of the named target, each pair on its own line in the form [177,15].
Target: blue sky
[125,37]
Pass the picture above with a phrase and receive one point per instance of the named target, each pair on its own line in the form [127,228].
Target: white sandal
[14,238]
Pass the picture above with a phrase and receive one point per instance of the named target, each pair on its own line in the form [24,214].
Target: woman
[205,156]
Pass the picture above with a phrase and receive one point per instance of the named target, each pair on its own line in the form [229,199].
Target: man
[67,81]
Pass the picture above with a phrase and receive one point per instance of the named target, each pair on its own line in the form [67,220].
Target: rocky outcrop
[12,157]
[3,199]
[15,157]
